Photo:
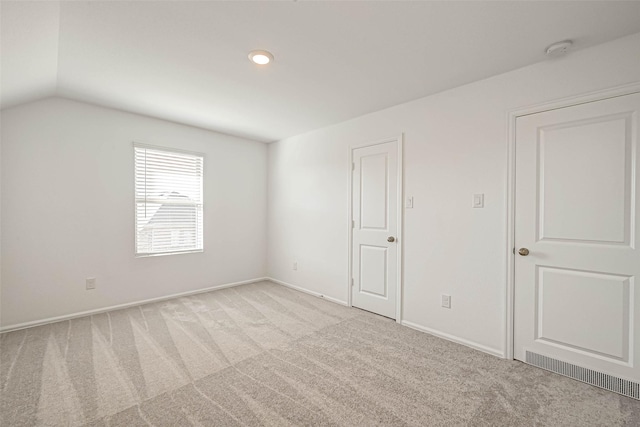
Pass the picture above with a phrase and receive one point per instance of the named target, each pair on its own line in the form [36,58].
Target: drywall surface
[455,145]
[68,210]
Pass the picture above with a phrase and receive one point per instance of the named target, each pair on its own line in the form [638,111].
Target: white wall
[455,146]
[67,210]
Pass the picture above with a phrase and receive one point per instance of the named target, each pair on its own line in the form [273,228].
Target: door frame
[400,217]
[512,116]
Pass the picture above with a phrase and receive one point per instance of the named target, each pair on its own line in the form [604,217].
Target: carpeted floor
[263,354]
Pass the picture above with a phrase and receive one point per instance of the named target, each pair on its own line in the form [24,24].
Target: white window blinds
[168,201]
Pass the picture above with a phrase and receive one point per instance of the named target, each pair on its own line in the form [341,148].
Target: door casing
[511,181]
[400,215]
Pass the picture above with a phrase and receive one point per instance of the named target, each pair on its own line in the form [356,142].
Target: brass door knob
[391,239]
[523,251]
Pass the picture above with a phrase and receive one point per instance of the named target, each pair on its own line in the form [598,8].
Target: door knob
[391,239]
[523,251]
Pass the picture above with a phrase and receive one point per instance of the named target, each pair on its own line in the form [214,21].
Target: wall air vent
[589,376]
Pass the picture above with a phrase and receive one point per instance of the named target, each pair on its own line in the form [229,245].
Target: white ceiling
[187,61]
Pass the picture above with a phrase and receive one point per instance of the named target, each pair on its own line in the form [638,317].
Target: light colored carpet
[263,354]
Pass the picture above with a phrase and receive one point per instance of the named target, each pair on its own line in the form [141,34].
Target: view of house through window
[168,192]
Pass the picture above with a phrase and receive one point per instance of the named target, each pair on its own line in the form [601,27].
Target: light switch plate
[446,300]
[478,201]
[408,203]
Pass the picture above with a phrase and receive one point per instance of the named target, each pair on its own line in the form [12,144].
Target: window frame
[137,144]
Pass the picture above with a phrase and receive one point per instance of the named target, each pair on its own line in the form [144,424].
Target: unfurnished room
[319,213]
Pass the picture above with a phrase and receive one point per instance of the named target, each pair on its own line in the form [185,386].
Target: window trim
[137,144]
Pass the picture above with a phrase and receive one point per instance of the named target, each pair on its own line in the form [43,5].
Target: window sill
[194,251]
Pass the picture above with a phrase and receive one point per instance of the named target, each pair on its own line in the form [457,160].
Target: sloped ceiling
[187,61]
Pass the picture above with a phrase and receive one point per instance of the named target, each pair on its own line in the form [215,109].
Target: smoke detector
[559,48]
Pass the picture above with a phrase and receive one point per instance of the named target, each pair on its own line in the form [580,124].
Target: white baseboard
[121,306]
[307,291]
[412,325]
[455,339]
[449,337]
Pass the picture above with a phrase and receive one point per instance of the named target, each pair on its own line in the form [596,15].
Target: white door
[374,248]
[577,214]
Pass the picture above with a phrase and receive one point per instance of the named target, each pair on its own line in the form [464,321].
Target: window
[168,201]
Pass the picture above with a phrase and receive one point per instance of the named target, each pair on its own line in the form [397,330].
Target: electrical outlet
[446,301]
[91,283]
[295,265]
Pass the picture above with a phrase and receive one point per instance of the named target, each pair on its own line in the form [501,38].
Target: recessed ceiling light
[260,57]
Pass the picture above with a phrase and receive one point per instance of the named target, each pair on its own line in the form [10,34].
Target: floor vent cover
[589,376]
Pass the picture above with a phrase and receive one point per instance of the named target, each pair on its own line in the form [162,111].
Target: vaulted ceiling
[187,61]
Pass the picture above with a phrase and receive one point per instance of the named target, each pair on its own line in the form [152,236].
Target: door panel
[374,181]
[375,219]
[373,270]
[583,167]
[598,303]
[576,212]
